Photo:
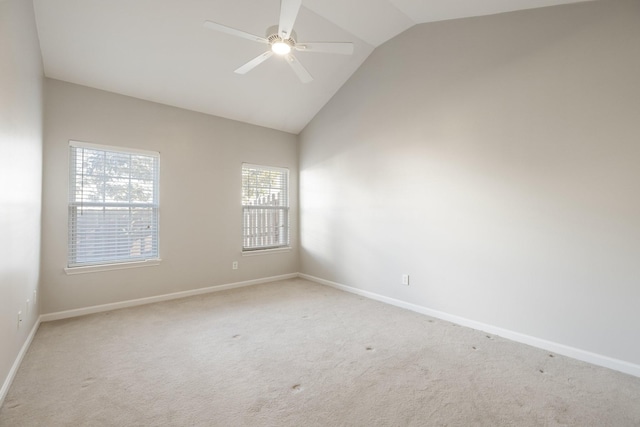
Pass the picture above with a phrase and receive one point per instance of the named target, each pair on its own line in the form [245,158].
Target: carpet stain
[235,337]
[474,347]
[297,388]
[87,382]
[258,405]
[551,355]
[541,371]
[369,348]
[14,405]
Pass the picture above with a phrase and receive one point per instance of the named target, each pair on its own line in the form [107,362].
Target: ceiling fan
[282,41]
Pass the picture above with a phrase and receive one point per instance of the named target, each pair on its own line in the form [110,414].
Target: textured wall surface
[495,160]
[20,176]
[200,205]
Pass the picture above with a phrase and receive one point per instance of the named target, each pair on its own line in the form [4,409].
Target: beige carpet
[294,353]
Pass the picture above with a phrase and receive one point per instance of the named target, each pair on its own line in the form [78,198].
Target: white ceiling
[159,50]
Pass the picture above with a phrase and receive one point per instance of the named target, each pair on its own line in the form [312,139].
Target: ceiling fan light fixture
[281,48]
[281,39]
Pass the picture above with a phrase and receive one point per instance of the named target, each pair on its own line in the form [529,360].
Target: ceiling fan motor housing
[274,37]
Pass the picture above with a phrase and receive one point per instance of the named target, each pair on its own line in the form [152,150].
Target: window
[113,205]
[265,207]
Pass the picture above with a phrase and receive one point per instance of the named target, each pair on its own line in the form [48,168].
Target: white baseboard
[585,356]
[123,304]
[142,301]
[16,364]
[575,353]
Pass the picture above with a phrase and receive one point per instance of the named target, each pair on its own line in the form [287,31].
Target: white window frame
[77,204]
[266,226]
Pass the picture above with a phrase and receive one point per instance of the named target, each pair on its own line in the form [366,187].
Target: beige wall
[20,176]
[496,161]
[200,212]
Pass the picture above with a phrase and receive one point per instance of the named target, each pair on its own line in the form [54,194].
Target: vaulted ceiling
[160,51]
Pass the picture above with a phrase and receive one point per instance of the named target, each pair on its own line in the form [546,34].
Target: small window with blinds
[113,205]
[265,207]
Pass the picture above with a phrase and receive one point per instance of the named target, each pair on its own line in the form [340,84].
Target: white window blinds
[265,207]
[113,205]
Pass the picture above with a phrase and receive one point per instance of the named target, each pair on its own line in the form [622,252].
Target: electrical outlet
[19,318]
[234,265]
[405,279]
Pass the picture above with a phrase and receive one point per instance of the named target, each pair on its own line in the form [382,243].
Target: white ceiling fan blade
[302,72]
[329,47]
[224,29]
[288,14]
[254,63]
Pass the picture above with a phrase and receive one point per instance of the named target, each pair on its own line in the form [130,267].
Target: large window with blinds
[265,207]
[113,205]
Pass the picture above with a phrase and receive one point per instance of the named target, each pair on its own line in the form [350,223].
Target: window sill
[266,251]
[109,267]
